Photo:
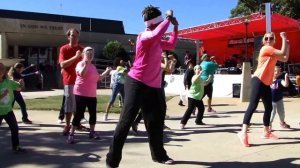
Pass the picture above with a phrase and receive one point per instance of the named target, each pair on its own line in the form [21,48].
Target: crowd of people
[141,87]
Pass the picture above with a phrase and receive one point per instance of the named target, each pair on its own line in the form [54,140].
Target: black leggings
[192,103]
[13,126]
[19,99]
[152,103]
[259,90]
[81,103]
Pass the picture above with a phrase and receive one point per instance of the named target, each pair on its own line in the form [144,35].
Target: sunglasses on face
[269,38]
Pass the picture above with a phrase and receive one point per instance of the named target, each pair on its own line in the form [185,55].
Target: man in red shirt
[69,56]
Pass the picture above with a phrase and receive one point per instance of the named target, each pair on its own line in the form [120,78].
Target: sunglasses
[269,38]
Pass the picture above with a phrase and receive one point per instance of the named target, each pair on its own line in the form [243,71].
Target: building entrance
[44,60]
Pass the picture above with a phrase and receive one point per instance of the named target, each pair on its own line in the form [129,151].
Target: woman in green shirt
[6,98]
[195,96]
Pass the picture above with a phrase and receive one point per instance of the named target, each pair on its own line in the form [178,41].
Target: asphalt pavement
[214,145]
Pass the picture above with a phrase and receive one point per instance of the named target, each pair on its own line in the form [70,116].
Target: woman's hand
[283,35]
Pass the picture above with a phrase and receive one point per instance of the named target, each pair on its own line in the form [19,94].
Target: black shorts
[208,90]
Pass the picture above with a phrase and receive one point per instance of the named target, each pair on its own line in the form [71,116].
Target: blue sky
[189,13]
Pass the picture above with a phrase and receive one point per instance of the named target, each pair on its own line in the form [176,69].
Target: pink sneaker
[243,138]
[269,135]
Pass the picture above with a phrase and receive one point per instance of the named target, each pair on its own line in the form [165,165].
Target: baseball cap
[204,56]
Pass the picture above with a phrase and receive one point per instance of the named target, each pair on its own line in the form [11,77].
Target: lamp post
[246,23]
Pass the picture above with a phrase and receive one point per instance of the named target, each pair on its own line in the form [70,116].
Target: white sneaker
[105,117]
[83,120]
[60,121]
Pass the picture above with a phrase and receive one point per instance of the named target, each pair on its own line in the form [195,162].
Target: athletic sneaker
[18,149]
[83,120]
[26,121]
[70,139]
[66,130]
[269,135]
[94,135]
[243,138]
[168,161]
[211,110]
[83,128]
[200,123]
[59,121]
[181,103]
[285,125]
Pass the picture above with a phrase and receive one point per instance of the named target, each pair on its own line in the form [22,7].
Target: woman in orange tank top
[261,81]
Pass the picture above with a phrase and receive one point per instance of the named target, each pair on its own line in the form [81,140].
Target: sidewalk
[214,145]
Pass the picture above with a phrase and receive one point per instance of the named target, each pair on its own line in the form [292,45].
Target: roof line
[224,23]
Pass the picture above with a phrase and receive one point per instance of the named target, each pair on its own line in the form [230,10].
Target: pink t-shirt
[146,67]
[86,85]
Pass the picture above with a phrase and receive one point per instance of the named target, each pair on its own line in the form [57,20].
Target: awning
[236,27]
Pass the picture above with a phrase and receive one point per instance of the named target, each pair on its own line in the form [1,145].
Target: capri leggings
[259,90]
[81,103]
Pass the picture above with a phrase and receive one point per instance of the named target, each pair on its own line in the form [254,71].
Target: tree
[114,49]
[289,8]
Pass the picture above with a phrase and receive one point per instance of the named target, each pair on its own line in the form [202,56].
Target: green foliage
[288,8]
[113,49]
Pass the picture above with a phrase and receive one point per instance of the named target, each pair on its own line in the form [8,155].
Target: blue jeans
[19,99]
[117,88]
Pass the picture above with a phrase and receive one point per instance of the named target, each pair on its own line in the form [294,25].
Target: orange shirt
[266,65]
[298,80]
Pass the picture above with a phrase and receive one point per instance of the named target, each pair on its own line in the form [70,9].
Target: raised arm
[171,43]
[82,70]
[286,56]
[285,82]
[105,73]
[157,33]
[284,48]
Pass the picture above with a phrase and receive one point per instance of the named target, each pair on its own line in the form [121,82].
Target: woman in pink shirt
[143,88]
[85,91]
